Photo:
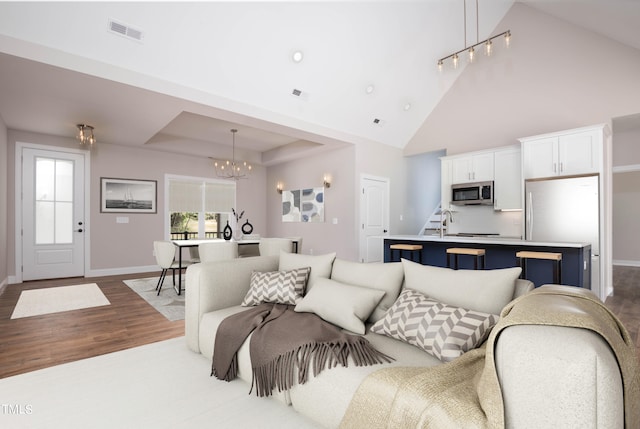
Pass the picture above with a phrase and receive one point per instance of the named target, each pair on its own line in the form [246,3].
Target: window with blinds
[199,208]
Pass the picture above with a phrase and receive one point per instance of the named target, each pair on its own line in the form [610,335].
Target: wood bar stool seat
[478,255]
[522,257]
[414,249]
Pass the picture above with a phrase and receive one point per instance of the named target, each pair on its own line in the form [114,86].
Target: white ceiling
[204,68]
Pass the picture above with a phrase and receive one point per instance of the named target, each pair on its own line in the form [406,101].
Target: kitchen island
[501,253]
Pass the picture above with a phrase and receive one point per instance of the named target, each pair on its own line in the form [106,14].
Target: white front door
[52,214]
[374,217]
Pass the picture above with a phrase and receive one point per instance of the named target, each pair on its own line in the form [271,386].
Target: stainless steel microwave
[468,194]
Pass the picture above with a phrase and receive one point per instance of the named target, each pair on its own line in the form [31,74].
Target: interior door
[374,215]
[52,214]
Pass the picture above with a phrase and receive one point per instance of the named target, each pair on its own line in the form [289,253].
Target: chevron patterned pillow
[282,287]
[442,330]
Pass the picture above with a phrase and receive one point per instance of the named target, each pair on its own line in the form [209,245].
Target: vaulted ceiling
[186,73]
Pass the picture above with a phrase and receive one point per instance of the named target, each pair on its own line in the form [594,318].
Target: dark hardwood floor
[36,342]
[41,341]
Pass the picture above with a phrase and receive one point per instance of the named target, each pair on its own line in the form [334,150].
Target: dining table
[185,244]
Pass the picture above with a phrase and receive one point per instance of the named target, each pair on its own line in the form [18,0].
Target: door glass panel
[54,201]
[64,223]
[44,218]
[64,180]
[45,179]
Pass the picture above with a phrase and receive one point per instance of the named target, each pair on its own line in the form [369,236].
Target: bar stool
[522,257]
[478,255]
[412,248]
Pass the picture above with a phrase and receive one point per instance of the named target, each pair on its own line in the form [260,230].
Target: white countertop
[484,240]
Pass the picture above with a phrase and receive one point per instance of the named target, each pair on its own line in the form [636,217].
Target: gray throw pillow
[281,287]
[442,330]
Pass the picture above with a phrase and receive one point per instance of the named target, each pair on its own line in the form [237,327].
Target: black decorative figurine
[247,228]
[227,232]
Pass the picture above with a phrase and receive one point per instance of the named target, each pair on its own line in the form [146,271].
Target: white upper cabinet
[472,168]
[507,189]
[562,154]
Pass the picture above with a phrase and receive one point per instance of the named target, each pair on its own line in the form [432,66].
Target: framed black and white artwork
[127,195]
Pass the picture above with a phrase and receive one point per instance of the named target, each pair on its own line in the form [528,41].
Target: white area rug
[36,302]
[169,303]
[160,385]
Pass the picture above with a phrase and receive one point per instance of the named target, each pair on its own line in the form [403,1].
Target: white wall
[626,197]
[117,248]
[626,213]
[422,191]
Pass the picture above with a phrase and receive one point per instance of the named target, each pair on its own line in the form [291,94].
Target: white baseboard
[120,271]
[626,263]
[101,273]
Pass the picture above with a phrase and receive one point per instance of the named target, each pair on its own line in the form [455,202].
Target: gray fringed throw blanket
[284,342]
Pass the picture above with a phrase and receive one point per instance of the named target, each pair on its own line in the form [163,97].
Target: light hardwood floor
[42,341]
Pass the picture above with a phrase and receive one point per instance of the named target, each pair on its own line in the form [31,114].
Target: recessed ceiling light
[369,89]
[406,106]
[297,56]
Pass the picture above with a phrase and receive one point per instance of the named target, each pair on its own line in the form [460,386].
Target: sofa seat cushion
[208,329]
[325,398]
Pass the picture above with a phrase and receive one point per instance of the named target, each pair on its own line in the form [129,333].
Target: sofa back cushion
[386,277]
[320,264]
[487,291]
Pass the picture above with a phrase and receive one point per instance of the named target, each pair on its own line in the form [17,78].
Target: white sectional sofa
[550,376]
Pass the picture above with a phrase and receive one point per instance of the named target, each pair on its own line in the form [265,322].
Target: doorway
[50,212]
[374,217]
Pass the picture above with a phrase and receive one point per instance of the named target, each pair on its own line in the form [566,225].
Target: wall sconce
[279,187]
[326,181]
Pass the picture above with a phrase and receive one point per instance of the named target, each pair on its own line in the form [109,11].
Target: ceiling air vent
[299,94]
[125,30]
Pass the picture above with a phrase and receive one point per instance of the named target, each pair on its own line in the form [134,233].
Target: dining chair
[194,255]
[297,244]
[165,252]
[218,251]
[273,246]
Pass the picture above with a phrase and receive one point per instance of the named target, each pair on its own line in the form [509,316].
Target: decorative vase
[247,228]
[227,232]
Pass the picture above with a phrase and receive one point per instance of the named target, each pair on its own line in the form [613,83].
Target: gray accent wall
[4,207]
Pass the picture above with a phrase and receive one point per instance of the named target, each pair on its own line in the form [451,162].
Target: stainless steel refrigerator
[565,210]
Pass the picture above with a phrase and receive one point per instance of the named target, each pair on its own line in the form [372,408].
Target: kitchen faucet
[443,217]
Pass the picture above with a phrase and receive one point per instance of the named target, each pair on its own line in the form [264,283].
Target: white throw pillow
[344,305]
[480,290]
[282,287]
[320,265]
[442,330]
[387,277]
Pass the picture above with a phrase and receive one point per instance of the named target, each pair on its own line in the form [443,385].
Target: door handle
[385,231]
[79,230]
